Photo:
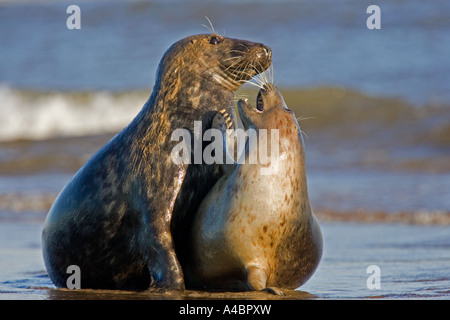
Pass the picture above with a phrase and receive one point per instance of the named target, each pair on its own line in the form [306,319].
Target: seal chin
[245,106]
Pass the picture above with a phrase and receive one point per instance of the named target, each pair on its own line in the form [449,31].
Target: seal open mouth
[259,103]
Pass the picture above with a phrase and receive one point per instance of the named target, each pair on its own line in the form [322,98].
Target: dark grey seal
[116,218]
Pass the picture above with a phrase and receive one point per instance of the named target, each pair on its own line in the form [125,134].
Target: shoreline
[414,262]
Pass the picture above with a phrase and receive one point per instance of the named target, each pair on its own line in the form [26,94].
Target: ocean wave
[32,115]
[349,127]
[36,115]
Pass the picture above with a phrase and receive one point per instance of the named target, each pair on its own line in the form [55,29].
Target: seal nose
[267,52]
[264,54]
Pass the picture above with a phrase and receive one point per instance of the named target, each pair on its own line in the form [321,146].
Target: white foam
[35,116]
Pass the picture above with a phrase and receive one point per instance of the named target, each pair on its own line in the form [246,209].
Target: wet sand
[414,262]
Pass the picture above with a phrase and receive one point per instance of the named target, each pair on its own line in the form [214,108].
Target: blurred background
[375,104]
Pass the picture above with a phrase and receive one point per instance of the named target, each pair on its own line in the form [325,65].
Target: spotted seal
[114,218]
[256,230]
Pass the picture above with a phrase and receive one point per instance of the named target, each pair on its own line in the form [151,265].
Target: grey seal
[114,218]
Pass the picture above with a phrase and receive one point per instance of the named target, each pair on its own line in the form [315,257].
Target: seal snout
[264,53]
[263,57]
[257,55]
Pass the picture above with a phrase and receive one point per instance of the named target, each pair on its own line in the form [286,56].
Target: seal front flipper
[257,280]
[233,142]
[166,274]
[274,290]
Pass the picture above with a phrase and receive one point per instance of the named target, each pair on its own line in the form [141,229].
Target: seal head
[218,60]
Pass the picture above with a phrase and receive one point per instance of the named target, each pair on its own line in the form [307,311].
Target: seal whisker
[231,58]
[233,65]
[239,97]
[300,118]
[254,84]
[240,73]
[241,44]
[234,51]
[211,27]
[248,66]
[236,69]
[270,73]
[235,74]
[257,83]
[266,76]
[304,133]
[262,77]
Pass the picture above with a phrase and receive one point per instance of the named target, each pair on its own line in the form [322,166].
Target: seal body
[114,218]
[255,229]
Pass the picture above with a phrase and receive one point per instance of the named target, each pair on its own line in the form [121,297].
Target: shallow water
[414,262]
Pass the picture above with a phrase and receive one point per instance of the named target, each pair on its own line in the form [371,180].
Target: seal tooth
[222,111]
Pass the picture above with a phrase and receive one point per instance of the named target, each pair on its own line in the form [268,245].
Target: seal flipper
[257,280]
[166,274]
[227,122]
[274,291]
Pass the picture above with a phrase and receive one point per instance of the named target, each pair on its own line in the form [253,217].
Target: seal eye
[214,40]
